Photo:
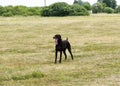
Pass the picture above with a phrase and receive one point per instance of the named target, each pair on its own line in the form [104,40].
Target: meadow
[27,51]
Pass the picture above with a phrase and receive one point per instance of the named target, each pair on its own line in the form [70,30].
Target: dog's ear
[58,36]
[54,37]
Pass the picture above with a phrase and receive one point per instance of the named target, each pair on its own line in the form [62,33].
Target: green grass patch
[35,74]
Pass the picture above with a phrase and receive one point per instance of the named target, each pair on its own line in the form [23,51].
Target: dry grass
[27,51]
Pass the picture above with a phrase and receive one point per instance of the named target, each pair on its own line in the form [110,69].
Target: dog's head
[57,38]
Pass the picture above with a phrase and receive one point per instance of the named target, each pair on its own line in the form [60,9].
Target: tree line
[79,8]
[106,6]
[19,10]
[56,9]
[101,6]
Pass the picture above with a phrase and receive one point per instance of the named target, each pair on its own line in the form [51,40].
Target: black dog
[61,46]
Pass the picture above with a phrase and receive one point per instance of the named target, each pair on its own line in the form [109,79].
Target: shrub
[7,11]
[20,10]
[77,10]
[34,11]
[1,10]
[56,9]
[108,10]
[45,11]
[7,14]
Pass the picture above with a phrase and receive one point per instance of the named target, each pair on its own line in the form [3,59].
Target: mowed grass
[27,51]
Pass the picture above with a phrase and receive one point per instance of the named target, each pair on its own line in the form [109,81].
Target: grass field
[27,51]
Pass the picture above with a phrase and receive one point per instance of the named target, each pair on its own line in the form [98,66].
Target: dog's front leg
[60,56]
[56,56]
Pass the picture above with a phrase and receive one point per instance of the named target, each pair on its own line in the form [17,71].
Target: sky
[40,2]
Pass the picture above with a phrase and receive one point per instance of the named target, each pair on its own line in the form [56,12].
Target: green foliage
[63,9]
[59,9]
[117,10]
[7,11]
[19,10]
[87,5]
[56,9]
[97,8]
[35,74]
[108,10]
[45,11]
[34,11]
[77,10]
[1,10]
[7,14]
[110,3]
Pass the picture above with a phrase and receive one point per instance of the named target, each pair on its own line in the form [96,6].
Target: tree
[80,2]
[117,10]
[84,4]
[75,2]
[87,5]
[109,3]
[59,9]
[56,9]
[97,7]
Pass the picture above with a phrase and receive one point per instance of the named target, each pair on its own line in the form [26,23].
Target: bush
[19,10]
[1,10]
[77,10]
[7,11]
[108,10]
[34,11]
[7,14]
[45,11]
[56,9]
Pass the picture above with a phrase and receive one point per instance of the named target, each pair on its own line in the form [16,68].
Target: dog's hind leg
[69,49]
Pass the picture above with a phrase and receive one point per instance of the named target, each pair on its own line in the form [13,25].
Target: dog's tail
[67,38]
